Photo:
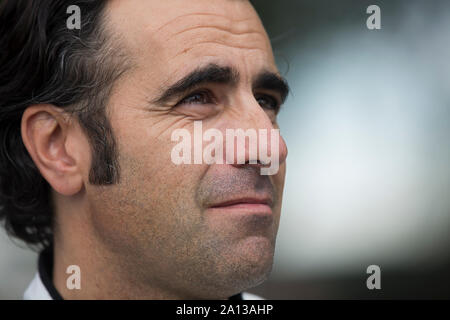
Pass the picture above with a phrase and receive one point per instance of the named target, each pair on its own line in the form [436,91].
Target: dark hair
[43,61]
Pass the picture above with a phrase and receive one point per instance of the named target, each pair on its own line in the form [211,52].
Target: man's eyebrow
[212,73]
[272,81]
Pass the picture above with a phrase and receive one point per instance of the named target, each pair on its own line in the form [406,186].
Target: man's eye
[201,97]
[268,102]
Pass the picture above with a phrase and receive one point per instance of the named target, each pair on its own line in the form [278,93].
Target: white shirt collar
[36,290]
[41,287]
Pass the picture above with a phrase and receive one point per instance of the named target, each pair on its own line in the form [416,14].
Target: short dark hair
[43,61]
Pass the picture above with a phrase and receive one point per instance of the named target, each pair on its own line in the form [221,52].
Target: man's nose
[256,139]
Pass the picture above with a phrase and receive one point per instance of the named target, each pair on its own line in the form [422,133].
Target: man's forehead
[157,13]
[152,22]
[177,36]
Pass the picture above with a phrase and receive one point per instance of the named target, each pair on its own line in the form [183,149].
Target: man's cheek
[279,178]
[146,157]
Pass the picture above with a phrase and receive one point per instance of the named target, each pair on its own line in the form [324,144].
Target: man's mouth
[251,205]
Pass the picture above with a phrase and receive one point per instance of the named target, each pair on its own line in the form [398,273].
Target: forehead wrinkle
[174,20]
[216,43]
[226,24]
[219,28]
[221,36]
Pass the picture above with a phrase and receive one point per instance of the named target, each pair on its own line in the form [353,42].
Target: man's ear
[53,142]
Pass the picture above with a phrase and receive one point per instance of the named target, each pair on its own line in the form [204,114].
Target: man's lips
[263,201]
[248,205]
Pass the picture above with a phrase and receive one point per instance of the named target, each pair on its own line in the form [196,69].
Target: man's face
[164,219]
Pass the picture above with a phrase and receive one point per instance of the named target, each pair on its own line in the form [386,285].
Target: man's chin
[249,263]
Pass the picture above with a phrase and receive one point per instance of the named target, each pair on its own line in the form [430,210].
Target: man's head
[103,147]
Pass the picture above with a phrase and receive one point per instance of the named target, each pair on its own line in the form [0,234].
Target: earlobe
[45,132]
